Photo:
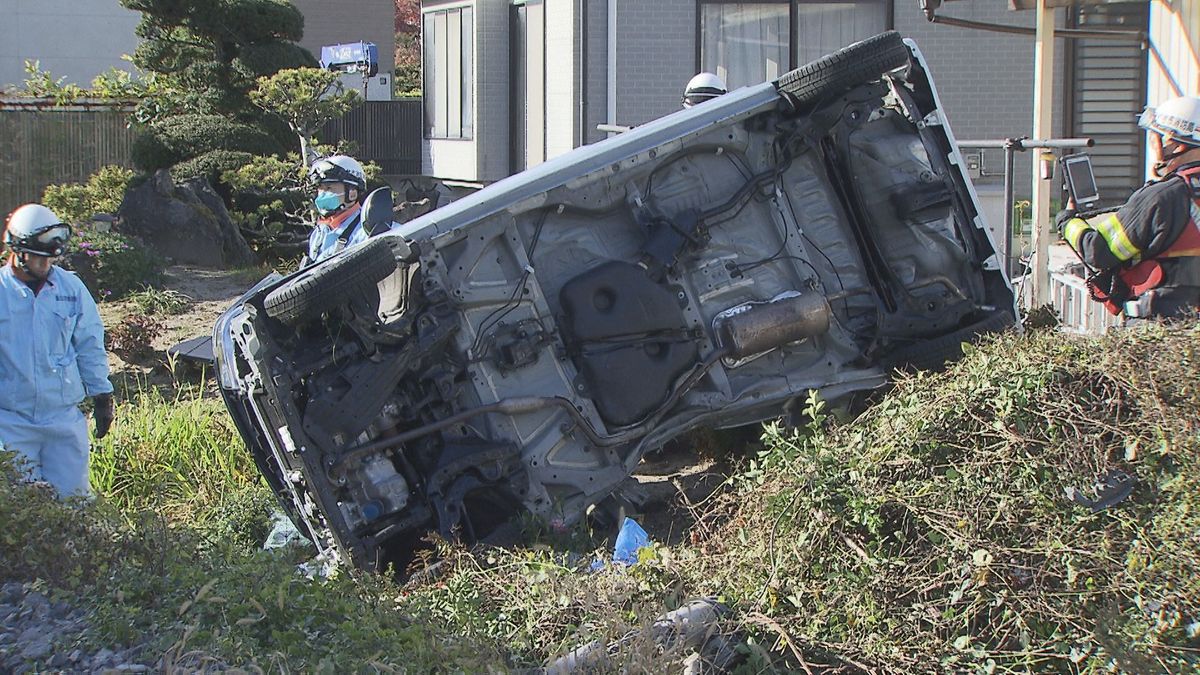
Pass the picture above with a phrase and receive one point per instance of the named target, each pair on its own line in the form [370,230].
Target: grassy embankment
[931,534]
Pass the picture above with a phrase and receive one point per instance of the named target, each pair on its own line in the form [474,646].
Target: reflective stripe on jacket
[51,345]
[1156,227]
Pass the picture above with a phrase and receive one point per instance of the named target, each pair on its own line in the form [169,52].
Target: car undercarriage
[520,350]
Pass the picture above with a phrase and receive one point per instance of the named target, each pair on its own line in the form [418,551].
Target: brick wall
[656,56]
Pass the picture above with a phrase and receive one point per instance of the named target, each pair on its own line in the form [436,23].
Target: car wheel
[332,285]
[933,354]
[844,69]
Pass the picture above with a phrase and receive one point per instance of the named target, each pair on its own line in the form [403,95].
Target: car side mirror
[378,211]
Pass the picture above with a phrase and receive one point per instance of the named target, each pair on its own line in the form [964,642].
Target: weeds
[132,339]
[174,455]
[152,301]
[934,534]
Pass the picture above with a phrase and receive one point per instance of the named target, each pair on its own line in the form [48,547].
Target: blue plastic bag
[629,540]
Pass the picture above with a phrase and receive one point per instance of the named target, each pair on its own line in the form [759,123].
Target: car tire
[844,69]
[331,285]
[933,354]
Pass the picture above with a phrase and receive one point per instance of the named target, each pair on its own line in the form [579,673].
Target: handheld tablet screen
[1081,181]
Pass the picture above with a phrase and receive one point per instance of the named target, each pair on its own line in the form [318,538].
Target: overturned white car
[520,350]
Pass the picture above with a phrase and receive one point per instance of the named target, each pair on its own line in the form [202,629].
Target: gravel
[37,635]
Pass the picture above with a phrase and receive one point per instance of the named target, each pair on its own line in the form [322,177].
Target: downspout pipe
[582,8]
[611,98]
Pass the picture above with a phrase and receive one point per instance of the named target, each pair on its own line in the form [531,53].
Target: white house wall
[1174,52]
[484,157]
[561,104]
[75,39]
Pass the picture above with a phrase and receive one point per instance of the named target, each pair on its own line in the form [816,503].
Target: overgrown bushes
[935,532]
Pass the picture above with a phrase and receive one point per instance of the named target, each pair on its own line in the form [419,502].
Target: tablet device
[1081,181]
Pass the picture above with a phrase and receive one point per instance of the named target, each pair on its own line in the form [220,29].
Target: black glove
[103,413]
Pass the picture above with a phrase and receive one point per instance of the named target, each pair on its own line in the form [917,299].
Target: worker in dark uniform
[1146,255]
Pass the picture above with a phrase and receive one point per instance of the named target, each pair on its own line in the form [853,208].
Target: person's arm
[1143,227]
[88,341]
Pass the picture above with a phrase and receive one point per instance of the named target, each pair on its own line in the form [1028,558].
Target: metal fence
[1070,298]
[385,132]
[41,145]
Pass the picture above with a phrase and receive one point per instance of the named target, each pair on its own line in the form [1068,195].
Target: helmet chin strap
[23,263]
[1160,167]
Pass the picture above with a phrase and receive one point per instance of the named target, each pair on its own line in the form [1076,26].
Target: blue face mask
[327,202]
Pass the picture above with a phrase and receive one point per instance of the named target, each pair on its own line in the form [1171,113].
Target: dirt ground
[210,292]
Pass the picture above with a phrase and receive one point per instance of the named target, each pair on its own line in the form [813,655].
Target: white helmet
[339,169]
[34,229]
[1177,119]
[701,88]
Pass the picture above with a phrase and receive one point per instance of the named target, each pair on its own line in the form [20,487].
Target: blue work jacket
[51,345]
[322,241]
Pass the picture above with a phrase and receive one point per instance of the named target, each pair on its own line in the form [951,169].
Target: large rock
[187,222]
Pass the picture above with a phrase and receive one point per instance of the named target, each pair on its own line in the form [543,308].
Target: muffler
[757,327]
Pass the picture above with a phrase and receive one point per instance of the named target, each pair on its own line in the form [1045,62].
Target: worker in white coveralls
[51,354]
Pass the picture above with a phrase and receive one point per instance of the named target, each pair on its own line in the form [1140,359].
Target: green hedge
[76,203]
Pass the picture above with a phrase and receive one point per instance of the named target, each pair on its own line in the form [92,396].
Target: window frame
[889,21]
[464,126]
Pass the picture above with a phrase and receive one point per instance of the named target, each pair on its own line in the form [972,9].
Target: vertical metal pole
[1043,98]
[611,102]
[1009,151]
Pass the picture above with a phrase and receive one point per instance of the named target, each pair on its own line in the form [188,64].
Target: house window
[824,27]
[449,45]
[750,42]
[744,42]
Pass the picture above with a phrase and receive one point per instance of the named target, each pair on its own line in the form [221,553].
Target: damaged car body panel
[521,349]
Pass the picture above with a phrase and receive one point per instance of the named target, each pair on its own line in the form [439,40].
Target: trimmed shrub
[103,193]
[259,60]
[176,139]
[210,165]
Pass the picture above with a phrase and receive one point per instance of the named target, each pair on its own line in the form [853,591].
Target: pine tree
[212,53]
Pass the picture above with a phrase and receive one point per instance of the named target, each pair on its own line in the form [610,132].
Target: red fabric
[335,222]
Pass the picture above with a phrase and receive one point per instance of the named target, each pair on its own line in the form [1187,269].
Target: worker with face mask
[52,355]
[341,185]
[1146,255]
